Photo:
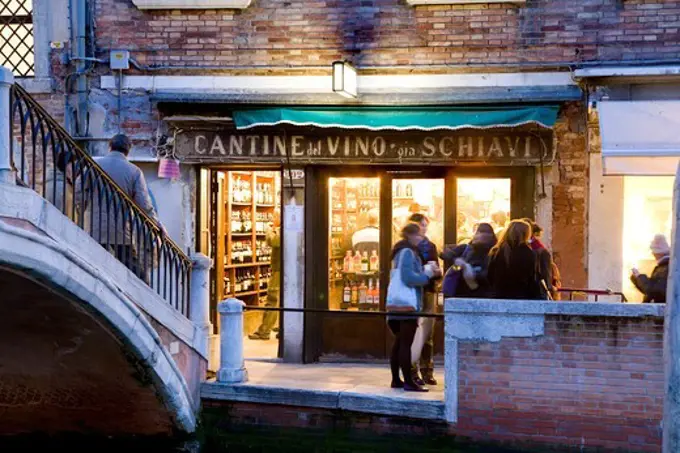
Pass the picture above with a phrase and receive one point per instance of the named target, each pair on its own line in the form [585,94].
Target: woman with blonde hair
[513,270]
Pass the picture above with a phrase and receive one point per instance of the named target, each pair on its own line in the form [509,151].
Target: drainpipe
[79,10]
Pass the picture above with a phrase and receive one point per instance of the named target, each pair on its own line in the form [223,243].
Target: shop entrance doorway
[365,212]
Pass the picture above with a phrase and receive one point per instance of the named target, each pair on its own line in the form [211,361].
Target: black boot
[416,377]
[428,376]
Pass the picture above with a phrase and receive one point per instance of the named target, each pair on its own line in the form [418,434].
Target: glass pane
[648,208]
[252,254]
[482,200]
[354,266]
[419,196]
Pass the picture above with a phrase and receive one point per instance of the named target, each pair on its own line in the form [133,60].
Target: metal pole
[671,410]
[81,66]
[6,82]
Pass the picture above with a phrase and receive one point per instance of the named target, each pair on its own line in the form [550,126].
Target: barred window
[16,37]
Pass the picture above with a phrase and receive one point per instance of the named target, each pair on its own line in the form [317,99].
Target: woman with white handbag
[404,299]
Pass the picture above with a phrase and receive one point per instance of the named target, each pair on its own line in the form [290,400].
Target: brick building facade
[190,62]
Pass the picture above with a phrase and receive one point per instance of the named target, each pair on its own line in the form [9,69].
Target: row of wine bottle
[360,263]
[246,281]
[360,294]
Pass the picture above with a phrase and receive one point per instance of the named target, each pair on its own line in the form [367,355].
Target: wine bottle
[363,293]
[347,262]
[357,262]
[374,262]
[364,263]
[355,294]
[347,294]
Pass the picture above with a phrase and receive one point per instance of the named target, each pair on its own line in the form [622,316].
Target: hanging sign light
[344,79]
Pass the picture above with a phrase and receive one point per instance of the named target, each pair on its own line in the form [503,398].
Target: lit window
[16,36]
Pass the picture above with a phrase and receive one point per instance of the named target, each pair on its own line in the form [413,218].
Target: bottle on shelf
[374,263]
[346,295]
[409,190]
[363,293]
[356,262]
[376,295]
[369,296]
[347,263]
[237,283]
[355,294]
[364,263]
[227,286]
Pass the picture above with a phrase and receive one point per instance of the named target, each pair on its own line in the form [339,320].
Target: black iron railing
[47,160]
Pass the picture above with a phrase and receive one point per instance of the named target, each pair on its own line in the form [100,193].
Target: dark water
[251,441]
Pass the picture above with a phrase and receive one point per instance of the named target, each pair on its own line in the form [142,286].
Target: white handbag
[400,297]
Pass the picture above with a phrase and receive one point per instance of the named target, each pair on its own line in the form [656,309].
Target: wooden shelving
[242,196]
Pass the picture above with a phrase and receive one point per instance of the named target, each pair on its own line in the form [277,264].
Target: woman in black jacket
[512,268]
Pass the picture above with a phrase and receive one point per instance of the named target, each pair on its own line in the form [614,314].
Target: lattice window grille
[16,37]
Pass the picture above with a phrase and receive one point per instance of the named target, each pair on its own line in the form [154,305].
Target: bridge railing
[45,158]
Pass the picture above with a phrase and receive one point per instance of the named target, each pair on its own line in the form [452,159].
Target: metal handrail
[593,292]
[51,163]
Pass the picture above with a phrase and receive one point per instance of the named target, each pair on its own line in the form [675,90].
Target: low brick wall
[593,378]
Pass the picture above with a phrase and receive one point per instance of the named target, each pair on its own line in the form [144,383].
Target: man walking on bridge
[108,228]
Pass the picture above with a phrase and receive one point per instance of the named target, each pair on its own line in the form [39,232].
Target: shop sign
[497,146]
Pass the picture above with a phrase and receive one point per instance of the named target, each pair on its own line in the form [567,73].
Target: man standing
[108,216]
[428,254]
[654,287]
[273,288]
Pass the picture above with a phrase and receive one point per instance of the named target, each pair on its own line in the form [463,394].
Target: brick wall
[272,33]
[592,382]
[588,384]
[570,192]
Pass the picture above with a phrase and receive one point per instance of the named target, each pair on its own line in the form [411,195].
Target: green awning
[387,118]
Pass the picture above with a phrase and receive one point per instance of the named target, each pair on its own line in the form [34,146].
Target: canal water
[250,442]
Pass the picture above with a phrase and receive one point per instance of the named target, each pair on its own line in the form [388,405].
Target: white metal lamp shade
[344,79]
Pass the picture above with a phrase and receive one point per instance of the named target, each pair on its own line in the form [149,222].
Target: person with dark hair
[428,254]
[512,265]
[116,235]
[547,270]
[406,258]
[473,261]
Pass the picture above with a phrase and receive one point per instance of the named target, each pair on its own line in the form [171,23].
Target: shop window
[354,244]
[423,196]
[16,37]
[648,209]
[482,200]
[242,233]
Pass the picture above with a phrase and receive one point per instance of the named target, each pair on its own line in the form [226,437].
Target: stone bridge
[86,345]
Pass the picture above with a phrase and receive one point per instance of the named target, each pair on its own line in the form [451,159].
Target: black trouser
[404,330]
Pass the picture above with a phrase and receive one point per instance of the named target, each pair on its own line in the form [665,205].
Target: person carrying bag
[404,300]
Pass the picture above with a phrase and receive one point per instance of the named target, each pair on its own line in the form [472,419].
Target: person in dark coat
[547,270]
[473,259]
[654,286]
[513,266]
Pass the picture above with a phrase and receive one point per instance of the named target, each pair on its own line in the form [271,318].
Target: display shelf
[240,205]
[240,266]
[241,235]
[247,293]
[259,205]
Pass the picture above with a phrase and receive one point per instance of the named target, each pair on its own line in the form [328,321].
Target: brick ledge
[191,4]
[462,2]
